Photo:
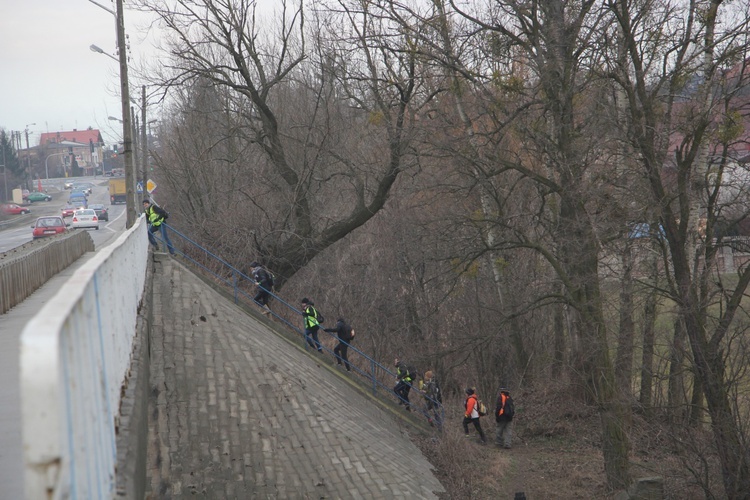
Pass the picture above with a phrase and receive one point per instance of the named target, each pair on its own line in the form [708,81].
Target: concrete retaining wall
[76,366]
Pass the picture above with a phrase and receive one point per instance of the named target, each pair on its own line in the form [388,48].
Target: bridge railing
[29,268]
[243,289]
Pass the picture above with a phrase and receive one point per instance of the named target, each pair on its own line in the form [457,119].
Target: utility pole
[136,152]
[5,168]
[144,140]
[28,155]
[127,126]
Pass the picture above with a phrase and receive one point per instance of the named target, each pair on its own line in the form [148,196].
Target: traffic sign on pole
[150,186]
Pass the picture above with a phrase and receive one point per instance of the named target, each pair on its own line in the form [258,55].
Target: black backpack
[319,316]
[509,410]
[434,391]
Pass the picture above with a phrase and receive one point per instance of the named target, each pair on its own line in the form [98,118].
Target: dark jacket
[343,330]
[403,372]
[500,415]
[262,278]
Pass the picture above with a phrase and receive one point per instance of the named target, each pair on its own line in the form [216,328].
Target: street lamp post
[127,127]
[98,50]
[28,153]
[46,167]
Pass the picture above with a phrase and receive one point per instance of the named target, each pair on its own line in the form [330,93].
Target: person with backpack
[264,281]
[312,324]
[345,334]
[433,399]
[504,412]
[471,414]
[156,217]
[405,375]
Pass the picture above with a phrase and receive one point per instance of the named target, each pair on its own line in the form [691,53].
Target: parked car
[48,226]
[68,185]
[37,196]
[13,209]
[101,211]
[84,218]
[67,211]
[24,194]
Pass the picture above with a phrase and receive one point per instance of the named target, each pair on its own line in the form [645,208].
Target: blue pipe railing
[227,275]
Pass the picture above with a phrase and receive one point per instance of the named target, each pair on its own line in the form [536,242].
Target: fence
[242,288]
[33,265]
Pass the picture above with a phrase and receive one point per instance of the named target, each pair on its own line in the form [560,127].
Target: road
[17,231]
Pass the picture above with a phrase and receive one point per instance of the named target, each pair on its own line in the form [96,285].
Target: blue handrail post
[374,380]
[234,284]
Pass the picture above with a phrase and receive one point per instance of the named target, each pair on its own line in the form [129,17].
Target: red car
[68,211]
[13,209]
[49,226]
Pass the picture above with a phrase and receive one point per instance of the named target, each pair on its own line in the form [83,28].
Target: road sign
[150,186]
[139,188]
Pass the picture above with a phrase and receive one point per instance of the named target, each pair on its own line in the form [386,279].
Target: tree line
[525,190]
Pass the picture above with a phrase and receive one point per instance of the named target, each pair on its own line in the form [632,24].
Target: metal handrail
[234,279]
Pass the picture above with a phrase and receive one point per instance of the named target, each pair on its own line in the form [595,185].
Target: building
[59,149]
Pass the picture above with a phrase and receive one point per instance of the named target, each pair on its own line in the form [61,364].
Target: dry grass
[557,455]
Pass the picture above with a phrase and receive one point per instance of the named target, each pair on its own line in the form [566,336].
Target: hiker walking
[264,281]
[433,398]
[345,334]
[404,377]
[156,217]
[504,412]
[310,316]
[471,414]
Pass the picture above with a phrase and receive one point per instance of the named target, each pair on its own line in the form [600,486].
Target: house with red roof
[60,148]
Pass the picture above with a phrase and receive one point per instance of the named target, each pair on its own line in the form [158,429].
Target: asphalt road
[16,231]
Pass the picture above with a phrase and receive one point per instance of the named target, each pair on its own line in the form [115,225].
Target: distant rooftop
[76,136]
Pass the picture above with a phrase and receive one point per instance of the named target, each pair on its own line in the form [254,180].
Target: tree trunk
[624,359]
[647,358]
[559,344]
[676,391]
[696,401]
[733,454]
[580,253]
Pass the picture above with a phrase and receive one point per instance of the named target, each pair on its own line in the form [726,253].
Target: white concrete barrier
[75,355]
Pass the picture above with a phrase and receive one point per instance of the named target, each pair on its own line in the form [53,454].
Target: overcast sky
[48,74]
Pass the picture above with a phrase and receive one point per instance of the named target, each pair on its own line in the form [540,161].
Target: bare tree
[680,96]
[301,139]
